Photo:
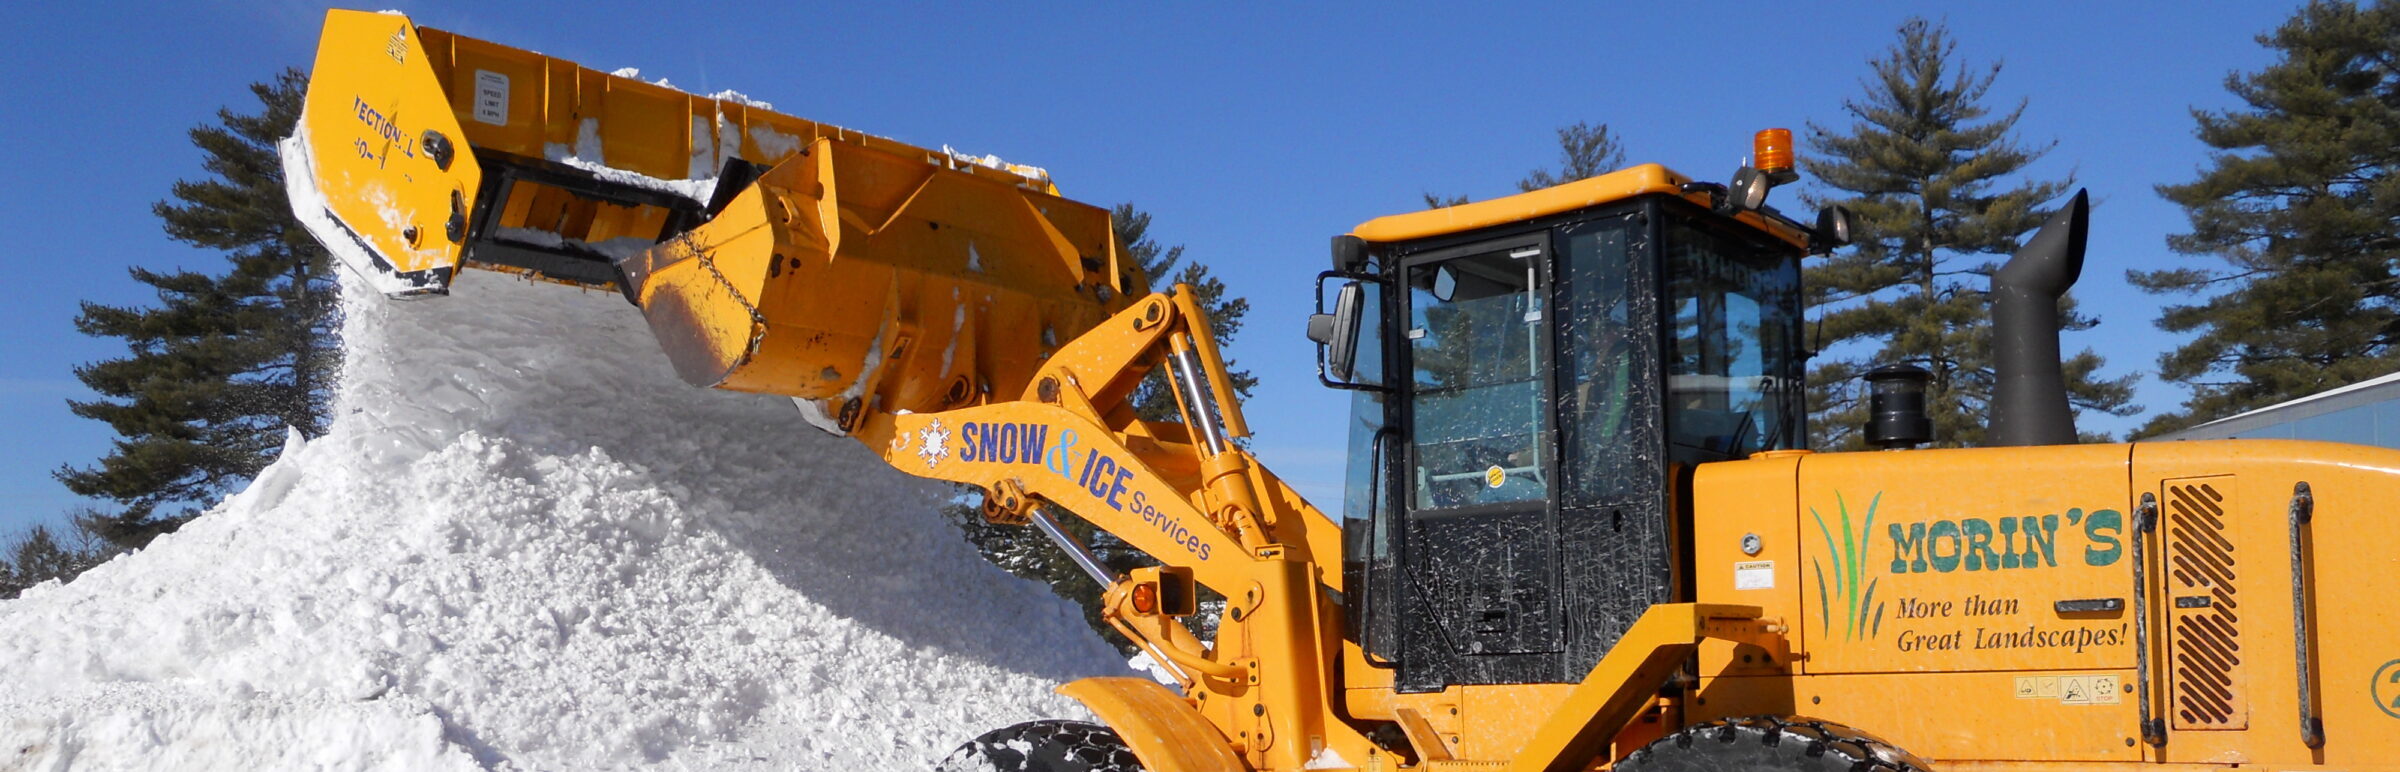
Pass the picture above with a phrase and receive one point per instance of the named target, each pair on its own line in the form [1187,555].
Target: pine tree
[1166,268]
[225,361]
[1585,150]
[1024,551]
[2301,205]
[1934,204]
[38,556]
[1438,201]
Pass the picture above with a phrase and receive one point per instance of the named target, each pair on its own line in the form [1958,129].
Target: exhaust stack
[2029,403]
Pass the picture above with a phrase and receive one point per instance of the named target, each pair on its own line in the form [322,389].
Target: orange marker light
[1145,598]
[1773,150]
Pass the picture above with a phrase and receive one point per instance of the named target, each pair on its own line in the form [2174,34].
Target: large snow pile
[525,544]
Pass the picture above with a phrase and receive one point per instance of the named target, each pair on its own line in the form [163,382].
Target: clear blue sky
[1252,133]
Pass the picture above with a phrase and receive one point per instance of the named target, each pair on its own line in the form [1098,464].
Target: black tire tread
[1771,744]
[1051,745]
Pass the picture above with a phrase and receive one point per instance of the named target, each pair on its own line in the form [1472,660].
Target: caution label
[1754,575]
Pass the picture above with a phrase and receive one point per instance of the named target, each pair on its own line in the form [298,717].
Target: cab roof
[1614,186]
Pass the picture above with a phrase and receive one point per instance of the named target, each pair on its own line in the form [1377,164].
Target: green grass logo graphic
[1849,569]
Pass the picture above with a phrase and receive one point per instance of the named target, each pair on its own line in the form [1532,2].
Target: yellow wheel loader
[1580,529]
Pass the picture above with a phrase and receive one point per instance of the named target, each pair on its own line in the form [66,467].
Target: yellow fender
[1163,730]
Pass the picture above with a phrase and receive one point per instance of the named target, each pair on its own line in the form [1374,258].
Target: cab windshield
[1732,341]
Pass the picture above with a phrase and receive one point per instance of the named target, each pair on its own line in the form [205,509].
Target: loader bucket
[864,278]
[769,253]
[420,152]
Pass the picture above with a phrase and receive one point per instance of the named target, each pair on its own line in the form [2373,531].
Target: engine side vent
[2204,605]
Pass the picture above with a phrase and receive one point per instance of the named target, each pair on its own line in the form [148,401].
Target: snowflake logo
[933,443]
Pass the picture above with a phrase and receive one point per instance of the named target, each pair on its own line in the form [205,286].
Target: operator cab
[1533,378]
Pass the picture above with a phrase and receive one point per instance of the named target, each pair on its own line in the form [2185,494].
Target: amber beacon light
[1773,150]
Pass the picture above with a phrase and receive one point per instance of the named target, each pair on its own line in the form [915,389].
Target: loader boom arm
[1184,493]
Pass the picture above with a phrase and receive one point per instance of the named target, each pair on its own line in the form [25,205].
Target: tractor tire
[1770,744]
[1044,746]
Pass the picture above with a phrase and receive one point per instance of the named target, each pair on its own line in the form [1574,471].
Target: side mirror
[1833,229]
[1338,332]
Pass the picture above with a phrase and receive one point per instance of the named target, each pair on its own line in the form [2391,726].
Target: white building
[2363,413]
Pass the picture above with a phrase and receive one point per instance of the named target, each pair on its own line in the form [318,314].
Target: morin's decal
[1849,569]
[1852,569]
[1980,544]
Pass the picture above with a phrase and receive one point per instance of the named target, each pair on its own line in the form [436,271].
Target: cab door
[1480,570]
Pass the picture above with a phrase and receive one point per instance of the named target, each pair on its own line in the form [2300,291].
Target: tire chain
[1864,752]
[1095,747]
